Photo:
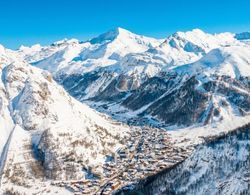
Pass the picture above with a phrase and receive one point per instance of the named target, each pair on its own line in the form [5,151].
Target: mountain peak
[232,61]
[183,34]
[197,30]
[199,41]
[110,35]
[35,47]
[65,41]
[121,30]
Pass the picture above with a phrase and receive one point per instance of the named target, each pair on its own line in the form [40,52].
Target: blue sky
[44,21]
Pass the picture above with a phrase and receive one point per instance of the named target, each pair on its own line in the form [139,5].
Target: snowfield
[232,61]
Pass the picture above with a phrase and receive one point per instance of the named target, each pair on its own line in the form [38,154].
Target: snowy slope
[22,172]
[63,131]
[199,41]
[37,52]
[120,60]
[105,53]
[186,47]
[138,77]
[111,47]
[72,56]
[231,61]
[39,104]
[213,89]
[6,122]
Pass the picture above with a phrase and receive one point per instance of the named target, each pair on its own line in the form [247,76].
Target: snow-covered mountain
[101,55]
[186,67]
[143,76]
[209,90]
[72,56]
[69,108]
[119,61]
[59,128]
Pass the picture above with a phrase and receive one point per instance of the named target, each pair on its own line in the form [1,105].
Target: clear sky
[44,21]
